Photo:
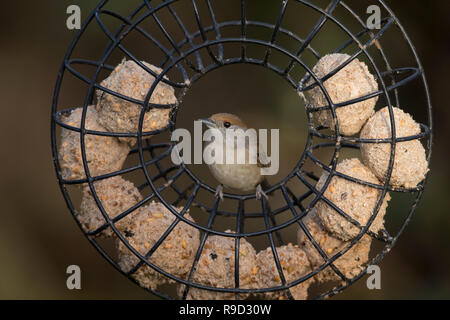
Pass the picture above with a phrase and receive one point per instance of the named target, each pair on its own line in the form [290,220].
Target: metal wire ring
[174,58]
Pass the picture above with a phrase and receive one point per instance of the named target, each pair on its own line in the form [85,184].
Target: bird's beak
[208,122]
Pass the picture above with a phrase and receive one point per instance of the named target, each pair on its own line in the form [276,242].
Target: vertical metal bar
[243,29]
[203,32]
[239,229]
[331,7]
[216,28]
[201,246]
[188,37]
[272,245]
[276,29]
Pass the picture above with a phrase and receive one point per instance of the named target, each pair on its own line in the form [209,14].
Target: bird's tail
[265,184]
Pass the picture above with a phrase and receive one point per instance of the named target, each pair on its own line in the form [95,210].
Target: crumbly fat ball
[295,265]
[350,264]
[216,268]
[176,253]
[356,200]
[116,195]
[103,154]
[410,162]
[353,81]
[129,79]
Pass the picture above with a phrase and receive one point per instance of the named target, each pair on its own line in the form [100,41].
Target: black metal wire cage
[206,49]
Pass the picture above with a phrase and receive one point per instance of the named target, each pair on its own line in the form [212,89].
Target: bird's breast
[243,177]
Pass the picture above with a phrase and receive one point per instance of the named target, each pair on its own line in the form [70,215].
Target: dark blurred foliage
[38,237]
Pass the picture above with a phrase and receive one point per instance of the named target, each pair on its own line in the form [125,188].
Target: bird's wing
[263,161]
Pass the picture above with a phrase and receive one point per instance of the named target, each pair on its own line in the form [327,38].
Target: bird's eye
[227,124]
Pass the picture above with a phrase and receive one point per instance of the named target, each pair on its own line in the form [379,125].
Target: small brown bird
[244,177]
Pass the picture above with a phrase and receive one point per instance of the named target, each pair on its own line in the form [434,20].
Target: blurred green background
[38,237]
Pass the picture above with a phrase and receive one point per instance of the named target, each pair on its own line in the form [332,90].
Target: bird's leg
[219,192]
[260,193]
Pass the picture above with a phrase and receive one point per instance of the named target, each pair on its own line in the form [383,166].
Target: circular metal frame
[181,57]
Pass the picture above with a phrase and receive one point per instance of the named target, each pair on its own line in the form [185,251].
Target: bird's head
[223,121]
